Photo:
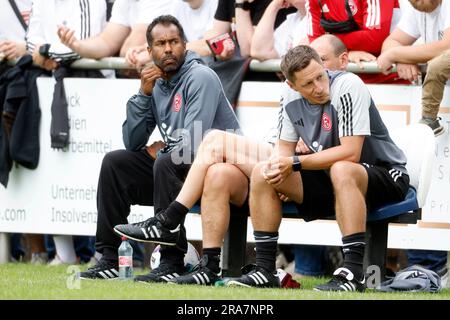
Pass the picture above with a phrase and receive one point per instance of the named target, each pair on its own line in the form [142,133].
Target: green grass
[25,281]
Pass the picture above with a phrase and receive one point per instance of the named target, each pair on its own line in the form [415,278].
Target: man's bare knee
[344,174]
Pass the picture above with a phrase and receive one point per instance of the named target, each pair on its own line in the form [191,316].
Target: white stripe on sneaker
[196,279]
[262,276]
[109,274]
[145,233]
[158,235]
[254,278]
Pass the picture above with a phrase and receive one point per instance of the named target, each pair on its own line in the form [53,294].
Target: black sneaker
[164,273]
[150,230]
[104,269]
[201,275]
[255,276]
[342,280]
[434,124]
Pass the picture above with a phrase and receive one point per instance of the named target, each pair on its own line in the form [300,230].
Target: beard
[174,64]
[425,6]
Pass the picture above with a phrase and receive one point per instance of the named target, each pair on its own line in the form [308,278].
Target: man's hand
[67,37]
[302,148]
[154,148]
[228,50]
[359,56]
[44,63]
[149,75]
[408,71]
[12,50]
[137,57]
[385,62]
[277,170]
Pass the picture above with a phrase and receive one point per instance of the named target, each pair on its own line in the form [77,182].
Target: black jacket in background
[19,96]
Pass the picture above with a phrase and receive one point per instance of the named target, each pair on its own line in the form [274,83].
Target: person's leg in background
[438,72]
[310,260]
[432,260]
[37,248]
[17,250]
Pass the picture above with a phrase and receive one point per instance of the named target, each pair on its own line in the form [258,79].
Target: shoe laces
[146,223]
[164,269]
[101,265]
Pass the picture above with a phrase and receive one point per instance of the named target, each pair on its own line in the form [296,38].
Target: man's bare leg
[350,181]
[220,147]
[265,211]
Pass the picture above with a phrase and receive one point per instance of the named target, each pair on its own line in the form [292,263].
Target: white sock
[65,249]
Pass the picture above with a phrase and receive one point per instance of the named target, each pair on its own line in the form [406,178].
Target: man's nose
[168,47]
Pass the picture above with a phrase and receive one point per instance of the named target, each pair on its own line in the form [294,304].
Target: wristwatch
[43,50]
[296,164]
[244,5]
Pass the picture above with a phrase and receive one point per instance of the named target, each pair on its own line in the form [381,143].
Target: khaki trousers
[438,73]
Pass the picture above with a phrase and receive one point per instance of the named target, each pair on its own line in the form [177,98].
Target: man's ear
[344,60]
[149,50]
[290,84]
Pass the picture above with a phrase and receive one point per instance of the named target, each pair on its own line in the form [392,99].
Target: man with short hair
[430,21]
[354,167]
[176,91]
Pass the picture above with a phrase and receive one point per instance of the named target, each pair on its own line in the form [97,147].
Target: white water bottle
[125,260]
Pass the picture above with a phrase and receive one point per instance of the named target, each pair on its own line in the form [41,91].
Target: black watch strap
[243,5]
[296,164]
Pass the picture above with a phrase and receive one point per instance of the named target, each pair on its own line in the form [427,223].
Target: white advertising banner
[59,197]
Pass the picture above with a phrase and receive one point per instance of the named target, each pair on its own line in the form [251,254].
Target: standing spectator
[176,92]
[430,21]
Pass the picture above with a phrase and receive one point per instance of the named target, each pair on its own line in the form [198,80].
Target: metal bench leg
[376,246]
[235,243]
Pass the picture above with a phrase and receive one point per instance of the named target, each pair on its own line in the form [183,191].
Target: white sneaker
[58,262]
[39,258]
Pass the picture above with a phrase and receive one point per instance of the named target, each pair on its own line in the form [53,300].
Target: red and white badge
[177,102]
[326,122]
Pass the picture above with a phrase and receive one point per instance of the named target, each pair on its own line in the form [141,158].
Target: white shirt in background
[290,32]
[428,26]
[10,27]
[195,22]
[86,17]
[131,12]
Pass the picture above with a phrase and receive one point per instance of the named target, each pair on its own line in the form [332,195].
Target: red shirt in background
[372,16]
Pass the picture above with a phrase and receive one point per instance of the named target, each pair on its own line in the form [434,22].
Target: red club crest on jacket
[177,102]
[326,122]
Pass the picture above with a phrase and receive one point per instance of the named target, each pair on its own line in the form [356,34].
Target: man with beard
[179,95]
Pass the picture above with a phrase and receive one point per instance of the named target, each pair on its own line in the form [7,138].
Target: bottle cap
[124,238]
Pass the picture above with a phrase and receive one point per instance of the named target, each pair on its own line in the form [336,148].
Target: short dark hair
[165,20]
[297,59]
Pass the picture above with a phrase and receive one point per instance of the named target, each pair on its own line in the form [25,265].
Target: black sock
[266,249]
[171,255]
[110,254]
[353,248]
[213,255]
[173,215]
